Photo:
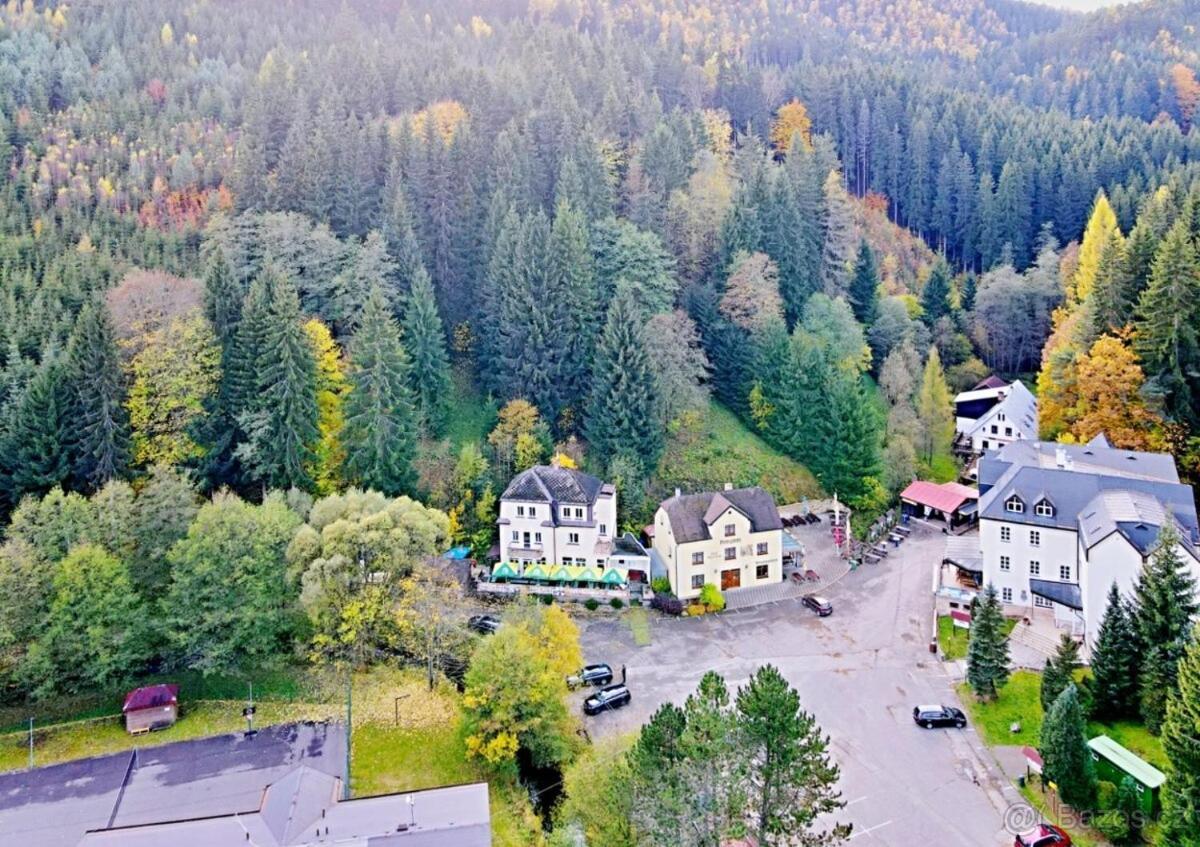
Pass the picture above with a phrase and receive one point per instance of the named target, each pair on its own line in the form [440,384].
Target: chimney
[729,486]
[677,492]
[1060,457]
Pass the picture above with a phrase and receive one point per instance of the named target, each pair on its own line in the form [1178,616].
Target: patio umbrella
[535,572]
[503,571]
[613,577]
[559,575]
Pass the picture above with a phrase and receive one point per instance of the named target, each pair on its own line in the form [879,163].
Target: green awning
[534,572]
[503,571]
[559,575]
[613,577]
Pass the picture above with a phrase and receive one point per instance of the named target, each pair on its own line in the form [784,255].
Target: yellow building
[731,538]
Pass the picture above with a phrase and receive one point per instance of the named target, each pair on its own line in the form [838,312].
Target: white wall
[678,558]
[1056,547]
[556,540]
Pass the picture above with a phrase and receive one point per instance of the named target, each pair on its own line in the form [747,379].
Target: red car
[1043,835]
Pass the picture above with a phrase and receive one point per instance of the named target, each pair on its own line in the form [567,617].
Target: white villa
[731,538]
[1059,524]
[994,413]
[559,525]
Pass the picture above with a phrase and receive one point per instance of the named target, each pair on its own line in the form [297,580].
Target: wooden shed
[1114,763]
[152,707]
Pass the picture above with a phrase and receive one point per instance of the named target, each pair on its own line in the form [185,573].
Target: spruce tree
[281,425]
[987,648]
[1059,671]
[98,425]
[1114,686]
[1166,603]
[572,286]
[36,457]
[425,341]
[1063,745]
[935,296]
[864,286]
[1180,822]
[622,418]
[380,432]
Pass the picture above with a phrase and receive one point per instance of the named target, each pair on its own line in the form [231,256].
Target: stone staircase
[1030,645]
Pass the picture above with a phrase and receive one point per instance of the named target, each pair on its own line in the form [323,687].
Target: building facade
[994,414]
[1060,524]
[732,538]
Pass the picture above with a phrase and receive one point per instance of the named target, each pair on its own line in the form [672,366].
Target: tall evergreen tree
[35,457]
[281,426]
[987,649]
[1063,745]
[380,432]
[425,341]
[1114,685]
[622,419]
[935,296]
[1059,671]
[572,287]
[1166,603]
[864,285]
[98,425]
[1180,822]
[935,409]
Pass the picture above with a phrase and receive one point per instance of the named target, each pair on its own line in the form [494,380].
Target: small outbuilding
[1114,763]
[957,505]
[152,707]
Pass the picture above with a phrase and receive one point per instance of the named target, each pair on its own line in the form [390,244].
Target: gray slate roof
[690,514]
[547,484]
[1095,489]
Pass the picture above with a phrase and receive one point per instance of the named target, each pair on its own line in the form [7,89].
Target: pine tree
[864,286]
[1166,602]
[987,649]
[35,455]
[98,425]
[935,296]
[572,286]
[622,419]
[1114,685]
[1180,821]
[282,424]
[837,236]
[222,298]
[1059,671]
[425,341]
[1063,745]
[380,433]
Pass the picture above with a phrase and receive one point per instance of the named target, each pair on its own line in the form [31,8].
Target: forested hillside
[263,245]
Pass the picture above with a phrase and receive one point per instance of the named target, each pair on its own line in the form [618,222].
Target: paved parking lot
[860,671]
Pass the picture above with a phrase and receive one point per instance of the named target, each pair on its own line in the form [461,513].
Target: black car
[484,624]
[597,674]
[818,604]
[931,716]
[613,697]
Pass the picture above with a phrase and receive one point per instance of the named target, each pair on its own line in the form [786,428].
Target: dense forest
[262,247]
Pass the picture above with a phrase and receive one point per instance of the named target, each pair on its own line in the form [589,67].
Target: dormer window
[1014,504]
[1044,509]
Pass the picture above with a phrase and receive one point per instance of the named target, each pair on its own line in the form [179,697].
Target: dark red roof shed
[151,697]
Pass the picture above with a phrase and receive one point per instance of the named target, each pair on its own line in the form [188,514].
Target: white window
[730,530]
[520,511]
[1064,573]
[698,581]
[532,512]
[1014,504]
[579,513]
[730,554]
[537,536]
[1042,603]
[1044,509]
[1008,431]
[1006,595]
[603,529]
[985,444]
[516,535]
[697,558]
[1006,534]
[1035,538]
[995,430]
[761,549]
[1035,567]
[572,537]
[762,572]
[1005,563]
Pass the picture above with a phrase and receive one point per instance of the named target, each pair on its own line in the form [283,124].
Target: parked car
[931,716]
[597,674]
[613,697]
[1043,835]
[484,624]
[818,604]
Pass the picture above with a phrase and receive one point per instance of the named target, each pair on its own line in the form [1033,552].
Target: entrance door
[731,578]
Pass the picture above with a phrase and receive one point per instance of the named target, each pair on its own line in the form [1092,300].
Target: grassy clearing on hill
[472,414]
[713,447]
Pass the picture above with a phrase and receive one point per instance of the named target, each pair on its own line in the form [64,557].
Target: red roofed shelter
[150,708]
[957,505]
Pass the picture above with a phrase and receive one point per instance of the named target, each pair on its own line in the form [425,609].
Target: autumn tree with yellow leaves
[1109,383]
[791,119]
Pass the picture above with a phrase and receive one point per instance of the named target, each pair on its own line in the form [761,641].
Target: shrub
[661,585]
[696,609]
[592,604]
[711,598]
[546,599]
[1113,825]
[1106,795]
[667,604]
[616,603]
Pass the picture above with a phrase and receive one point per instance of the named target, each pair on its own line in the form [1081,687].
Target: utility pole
[31,743]
[349,729]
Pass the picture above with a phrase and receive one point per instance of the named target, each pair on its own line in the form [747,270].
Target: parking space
[860,671]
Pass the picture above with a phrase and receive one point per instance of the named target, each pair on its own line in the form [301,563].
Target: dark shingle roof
[546,484]
[687,511]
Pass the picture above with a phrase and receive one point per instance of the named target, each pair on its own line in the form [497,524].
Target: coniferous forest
[262,251]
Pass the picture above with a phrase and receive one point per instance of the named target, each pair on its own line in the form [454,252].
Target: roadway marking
[869,830]
[859,800]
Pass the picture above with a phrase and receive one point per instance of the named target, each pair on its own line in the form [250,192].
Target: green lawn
[472,415]
[639,625]
[1134,737]
[1018,701]
[943,468]
[952,640]
[714,447]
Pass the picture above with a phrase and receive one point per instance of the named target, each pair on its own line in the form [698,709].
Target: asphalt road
[860,671]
